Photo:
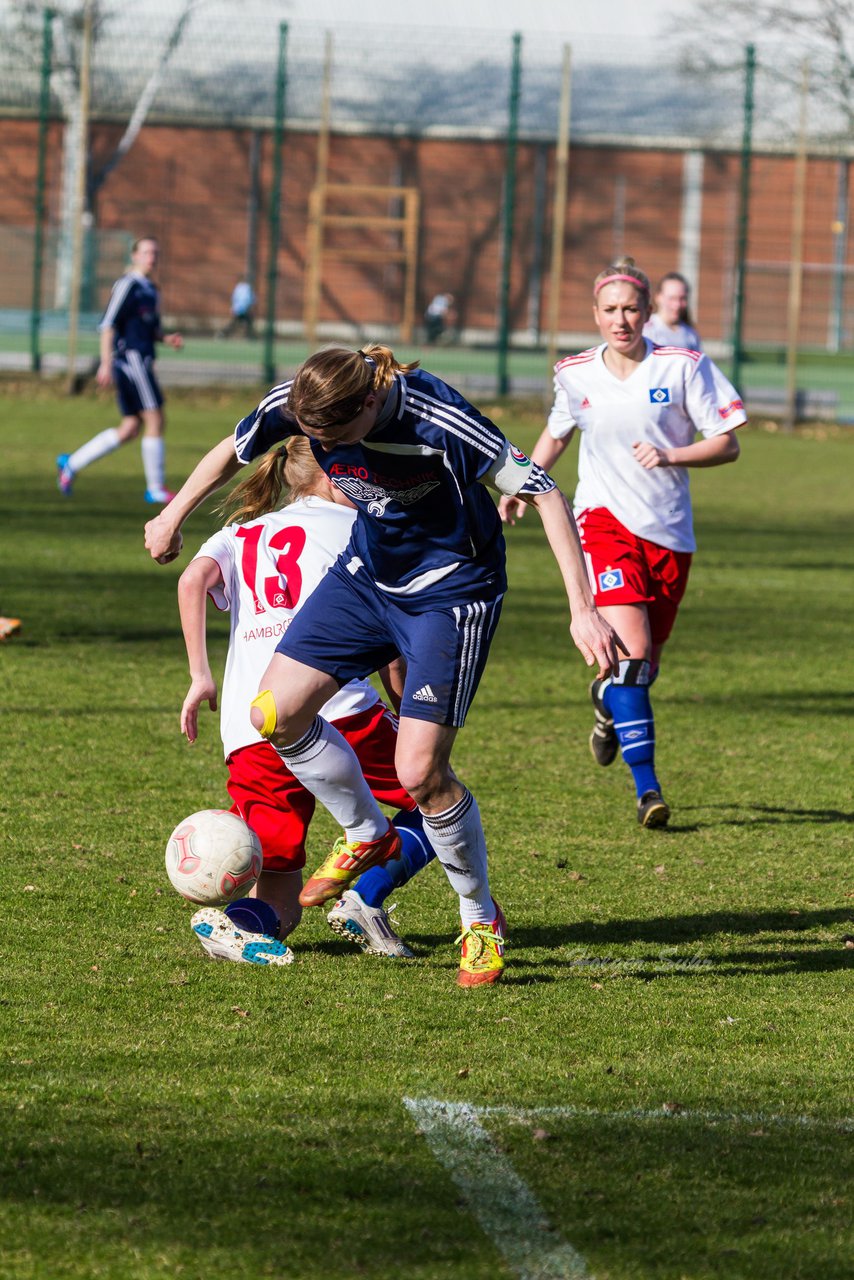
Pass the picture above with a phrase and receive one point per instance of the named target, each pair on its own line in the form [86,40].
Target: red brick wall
[191,188]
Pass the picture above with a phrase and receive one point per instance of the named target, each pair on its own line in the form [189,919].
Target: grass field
[204,358]
[660,1089]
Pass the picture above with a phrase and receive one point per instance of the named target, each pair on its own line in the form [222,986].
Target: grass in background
[166,1116]
[763,372]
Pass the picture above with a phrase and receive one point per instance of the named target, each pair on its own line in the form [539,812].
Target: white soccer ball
[213,857]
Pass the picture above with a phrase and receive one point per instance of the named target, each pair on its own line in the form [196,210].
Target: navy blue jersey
[133,313]
[425,517]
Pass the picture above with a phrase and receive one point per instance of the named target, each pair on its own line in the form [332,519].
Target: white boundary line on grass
[843,1124]
[504,1205]
[506,1208]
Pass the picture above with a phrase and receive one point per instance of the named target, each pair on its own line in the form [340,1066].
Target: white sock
[326,765]
[457,836]
[98,447]
[153,450]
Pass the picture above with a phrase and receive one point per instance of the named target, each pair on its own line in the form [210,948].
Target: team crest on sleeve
[610,579]
[659,395]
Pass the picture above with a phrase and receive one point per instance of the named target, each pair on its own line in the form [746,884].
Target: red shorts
[278,808]
[626,569]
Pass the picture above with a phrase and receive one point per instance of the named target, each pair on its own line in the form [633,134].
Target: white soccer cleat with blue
[368,927]
[222,940]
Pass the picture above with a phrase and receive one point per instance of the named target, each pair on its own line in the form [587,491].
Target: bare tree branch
[784,35]
[146,98]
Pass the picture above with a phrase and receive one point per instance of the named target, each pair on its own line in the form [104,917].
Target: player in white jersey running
[639,409]
[670,324]
[130,329]
[262,570]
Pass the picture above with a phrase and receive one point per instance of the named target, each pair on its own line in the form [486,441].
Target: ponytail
[289,472]
[259,492]
[386,363]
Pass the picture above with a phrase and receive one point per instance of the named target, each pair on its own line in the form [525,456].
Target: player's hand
[511,509]
[162,540]
[598,642]
[104,376]
[649,456]
[203,689]
[174,340]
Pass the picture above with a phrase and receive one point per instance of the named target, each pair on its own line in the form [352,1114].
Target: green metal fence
[216,132]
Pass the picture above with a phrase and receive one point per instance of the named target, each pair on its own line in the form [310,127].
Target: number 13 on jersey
[282,590]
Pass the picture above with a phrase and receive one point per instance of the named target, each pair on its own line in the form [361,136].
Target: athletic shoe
[8,627]
[64,475]
[159,497]
[483,951]
[653,810]
[368,927]
[603,740]
[346,863]
[222,940]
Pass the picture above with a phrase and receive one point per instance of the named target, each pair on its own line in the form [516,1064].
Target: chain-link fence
[389,168]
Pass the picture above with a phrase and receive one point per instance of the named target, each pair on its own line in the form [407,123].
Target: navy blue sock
[626,699]
[375,885]
[254,915]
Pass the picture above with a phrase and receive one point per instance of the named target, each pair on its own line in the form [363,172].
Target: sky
[571,19]
[576,22]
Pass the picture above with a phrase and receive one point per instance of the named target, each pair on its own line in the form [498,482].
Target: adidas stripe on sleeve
[476,448]
[121,289]
[267,425]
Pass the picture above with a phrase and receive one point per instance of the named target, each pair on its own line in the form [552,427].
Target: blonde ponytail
[284,474]
[387,364]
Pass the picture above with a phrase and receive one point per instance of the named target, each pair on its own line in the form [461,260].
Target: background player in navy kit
[130,329]
[423,576]
[639,408]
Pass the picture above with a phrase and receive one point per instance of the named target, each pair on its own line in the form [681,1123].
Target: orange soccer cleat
[345,864]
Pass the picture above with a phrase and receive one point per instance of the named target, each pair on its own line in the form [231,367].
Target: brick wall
[192,188]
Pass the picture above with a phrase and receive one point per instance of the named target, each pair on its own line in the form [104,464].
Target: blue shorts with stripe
[348,628]
[137,388]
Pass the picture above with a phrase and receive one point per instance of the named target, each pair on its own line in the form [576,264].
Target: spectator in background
[670,324]
[130,330]
[439,317]
[242,310]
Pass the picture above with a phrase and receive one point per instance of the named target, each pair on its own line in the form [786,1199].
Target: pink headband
[639,285]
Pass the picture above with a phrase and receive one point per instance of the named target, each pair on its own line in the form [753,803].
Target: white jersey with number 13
[270,566]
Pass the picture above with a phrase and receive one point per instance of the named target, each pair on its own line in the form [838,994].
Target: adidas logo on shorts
[424,694]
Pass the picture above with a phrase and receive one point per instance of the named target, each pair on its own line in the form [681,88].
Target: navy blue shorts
[348,628]
[136,386]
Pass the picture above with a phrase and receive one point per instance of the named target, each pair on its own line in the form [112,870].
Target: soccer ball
[213,857]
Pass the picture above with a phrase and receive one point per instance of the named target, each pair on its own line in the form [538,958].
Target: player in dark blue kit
[130,329]
[423,577]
